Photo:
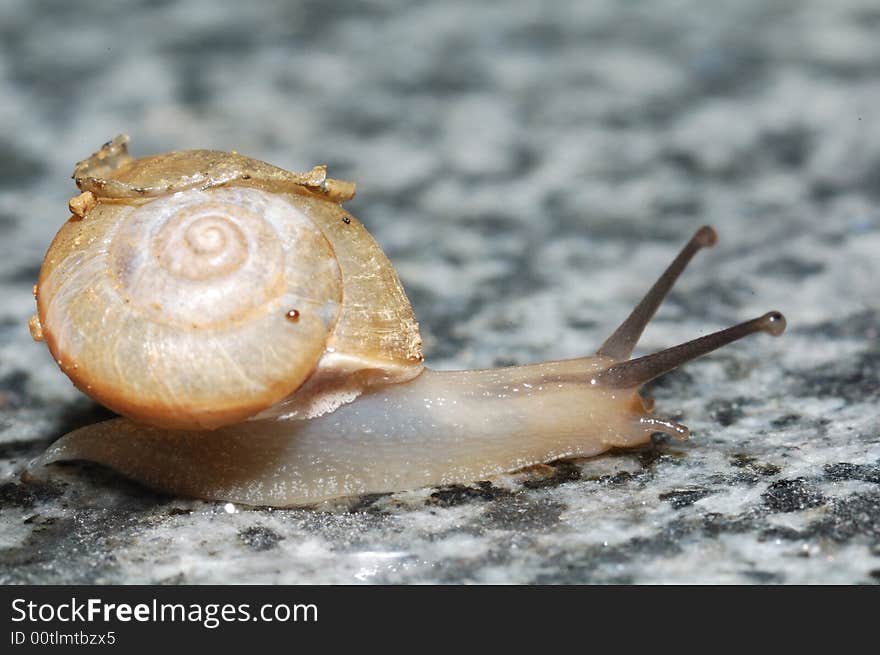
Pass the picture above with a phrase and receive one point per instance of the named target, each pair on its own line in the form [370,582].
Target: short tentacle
[666,426]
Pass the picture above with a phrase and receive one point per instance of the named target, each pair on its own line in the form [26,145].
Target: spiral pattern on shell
[190,296]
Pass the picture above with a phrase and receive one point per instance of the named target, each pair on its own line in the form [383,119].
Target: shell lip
[112,173]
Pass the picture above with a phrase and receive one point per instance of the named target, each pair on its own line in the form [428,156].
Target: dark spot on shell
[346,220]
[292,315]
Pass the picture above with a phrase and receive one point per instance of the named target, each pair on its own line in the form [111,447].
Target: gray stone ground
[530,167]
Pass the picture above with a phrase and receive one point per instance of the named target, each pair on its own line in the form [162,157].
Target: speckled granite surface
[529,171]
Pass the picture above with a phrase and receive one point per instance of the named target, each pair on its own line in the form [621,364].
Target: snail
[261,349]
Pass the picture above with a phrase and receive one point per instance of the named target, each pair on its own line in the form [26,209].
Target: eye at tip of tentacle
[772,323]
[706,237]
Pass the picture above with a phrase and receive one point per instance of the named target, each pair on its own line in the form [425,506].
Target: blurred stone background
[530,168]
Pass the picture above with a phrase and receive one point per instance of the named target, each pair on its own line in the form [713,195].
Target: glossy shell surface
[201,287]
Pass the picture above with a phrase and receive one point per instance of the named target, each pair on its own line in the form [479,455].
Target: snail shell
[195,289]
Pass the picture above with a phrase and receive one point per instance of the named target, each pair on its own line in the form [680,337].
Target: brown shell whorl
[174,312]
[168,295]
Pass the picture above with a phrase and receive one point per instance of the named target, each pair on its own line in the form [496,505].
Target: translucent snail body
[261,348]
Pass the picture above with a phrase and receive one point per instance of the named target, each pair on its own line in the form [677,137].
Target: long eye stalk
[619,346]
[636,372]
